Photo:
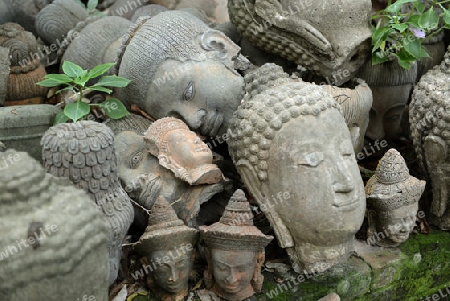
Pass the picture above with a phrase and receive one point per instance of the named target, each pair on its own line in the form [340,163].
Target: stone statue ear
[435,150]
[272,13]
[259,192]
[220,47]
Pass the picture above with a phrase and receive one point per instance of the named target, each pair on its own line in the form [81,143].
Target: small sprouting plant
[397,35]
[75,79]
[90,7]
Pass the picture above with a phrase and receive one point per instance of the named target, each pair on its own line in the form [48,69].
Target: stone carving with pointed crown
[166,238]
[392,199]
[235,239]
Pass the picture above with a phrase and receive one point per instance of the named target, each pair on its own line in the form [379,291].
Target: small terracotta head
[182,151]
[392,199]
[167,246]
[235,251]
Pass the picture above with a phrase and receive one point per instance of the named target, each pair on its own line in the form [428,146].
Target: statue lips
[212,124]
[346,201]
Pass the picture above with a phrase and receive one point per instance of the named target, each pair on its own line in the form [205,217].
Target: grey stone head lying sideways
[180,67]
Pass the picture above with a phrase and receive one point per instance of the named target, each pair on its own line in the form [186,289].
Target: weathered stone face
[328,37]
[145,179]
[233,270]
[180,67]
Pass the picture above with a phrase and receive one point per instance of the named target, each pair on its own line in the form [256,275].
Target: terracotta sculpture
[182,151]
[331,38]
[180,67]
[25,66]
[355,102]
[167,247]
[390,97]
[144,179]
[429,120]
[393,200]
[97,41]
[290,128]
[54,21]
[234,251]
[54,237]
[84,152]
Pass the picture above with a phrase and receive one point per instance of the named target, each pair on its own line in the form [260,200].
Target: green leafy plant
[90,7]
[397,35]
[75,80]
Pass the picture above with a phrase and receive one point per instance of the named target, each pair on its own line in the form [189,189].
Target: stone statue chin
[181,151]
[295,128]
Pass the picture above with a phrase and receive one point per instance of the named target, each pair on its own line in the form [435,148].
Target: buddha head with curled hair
[179,67]
[290,137]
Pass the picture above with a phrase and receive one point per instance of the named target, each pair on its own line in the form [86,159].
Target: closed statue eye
[135,159]
[189,92]
[311,159]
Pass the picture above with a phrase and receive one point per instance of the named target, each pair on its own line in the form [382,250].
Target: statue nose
[231,278]
[174,275]
[342,182]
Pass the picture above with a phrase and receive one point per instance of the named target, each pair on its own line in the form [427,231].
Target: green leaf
[91,5]
[404,59]
[77,110]
[379,58]
[414,21]
[415,48]
[395,7]
[446,16]
[61,117]
[429,20]
[400,27]
[61,78]
[420,7]
[100,70]
[113,81]
[100,88]
[72,69]
[48,83]
[379,36]
[114,108]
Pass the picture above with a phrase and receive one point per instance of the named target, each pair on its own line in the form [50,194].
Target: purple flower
[417,32]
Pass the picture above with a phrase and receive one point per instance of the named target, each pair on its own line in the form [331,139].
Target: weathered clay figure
[291,128]
[4,73]
[355,103]
[234,251]
[167,247]
[429,120]
[54,21]
[393,200]
[22,12]
[131,122]
[144,179]
[84,152]
[54,237]
[391,87]
[180,67]
[97,41]
[331,38]
[182,151]
[25,66]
